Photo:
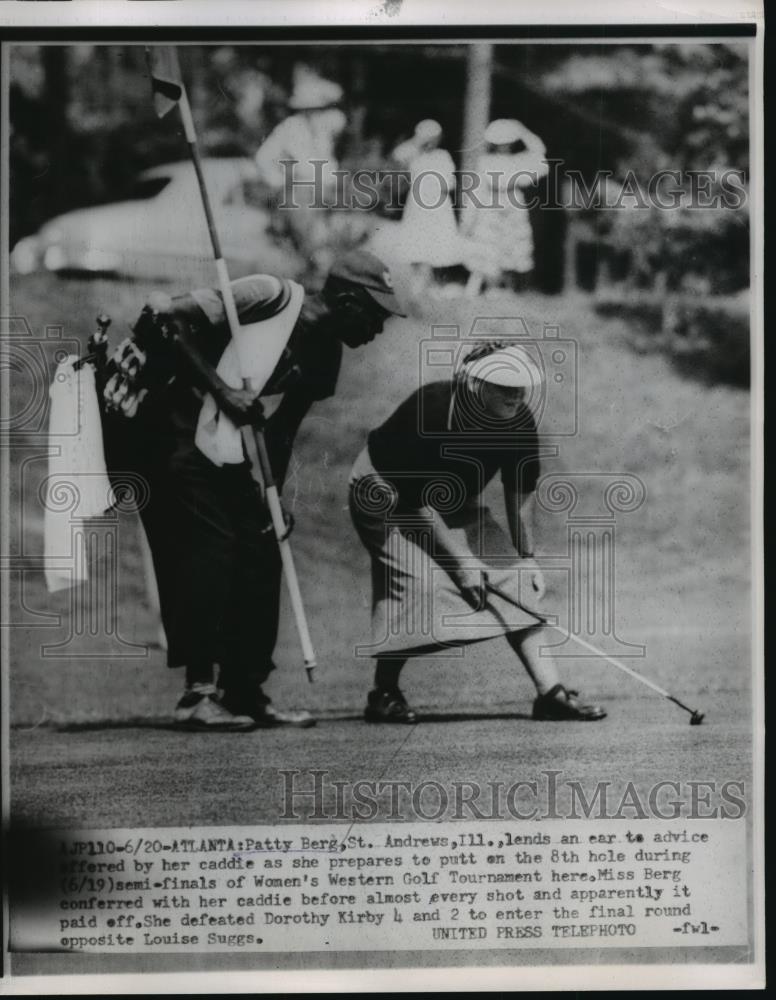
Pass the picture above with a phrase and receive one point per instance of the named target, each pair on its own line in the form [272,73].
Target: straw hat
[502,131]
[314,93]
[427,129]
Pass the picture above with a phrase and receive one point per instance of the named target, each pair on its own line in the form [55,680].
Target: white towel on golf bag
[77,486]
[252,354]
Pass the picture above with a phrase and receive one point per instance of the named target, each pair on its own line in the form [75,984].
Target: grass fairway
[682,592]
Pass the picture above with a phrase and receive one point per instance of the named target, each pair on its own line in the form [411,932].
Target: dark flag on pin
[166,77]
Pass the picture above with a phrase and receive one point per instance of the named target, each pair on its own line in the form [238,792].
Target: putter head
[697,718]
[309,670]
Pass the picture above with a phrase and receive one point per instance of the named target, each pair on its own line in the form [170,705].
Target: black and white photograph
[381,445]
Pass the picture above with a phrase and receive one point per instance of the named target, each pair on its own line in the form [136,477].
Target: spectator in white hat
[307,136]
[499,239]
[428,234]
[415,503]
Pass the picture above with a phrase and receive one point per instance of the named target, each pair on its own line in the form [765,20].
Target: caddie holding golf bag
[171,412]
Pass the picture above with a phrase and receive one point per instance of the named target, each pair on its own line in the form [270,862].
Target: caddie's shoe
[562,705]
[388,706]
[203,711]
[271,716]
[264,715]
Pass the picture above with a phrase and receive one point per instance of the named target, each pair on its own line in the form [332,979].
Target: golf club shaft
[620,666]
[609,659]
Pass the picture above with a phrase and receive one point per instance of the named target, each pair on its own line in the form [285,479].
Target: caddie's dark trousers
[228,566]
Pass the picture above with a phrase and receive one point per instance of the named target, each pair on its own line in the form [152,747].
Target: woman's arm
[464,568]
[267,157]
[405,153]
[530,163]
[447,169]
[520,511]
[520,514]
[531,141]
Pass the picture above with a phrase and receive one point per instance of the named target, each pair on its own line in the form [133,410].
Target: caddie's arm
[520,511]
[280,430]
[467,572]
[242,406]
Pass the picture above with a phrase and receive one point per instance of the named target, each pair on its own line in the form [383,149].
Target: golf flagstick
[169,90]
[696,716]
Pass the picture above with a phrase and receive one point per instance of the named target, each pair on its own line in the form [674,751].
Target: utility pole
[479,69]
[56,92]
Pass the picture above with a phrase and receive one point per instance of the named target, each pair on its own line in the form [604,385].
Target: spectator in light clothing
[428,234]
[499,240]
[307,136]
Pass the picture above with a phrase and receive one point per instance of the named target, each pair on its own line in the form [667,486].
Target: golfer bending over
[414,500]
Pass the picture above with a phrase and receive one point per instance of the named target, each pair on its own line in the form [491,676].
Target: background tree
[685,108]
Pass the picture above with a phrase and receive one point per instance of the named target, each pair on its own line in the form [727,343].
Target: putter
[696,716]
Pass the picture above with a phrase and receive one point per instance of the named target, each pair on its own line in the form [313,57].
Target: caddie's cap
[427,129]
[511,367]
[361,268]
[313,93]
[502,131]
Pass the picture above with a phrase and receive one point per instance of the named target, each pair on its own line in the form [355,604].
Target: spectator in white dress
[428,234]
[499,239]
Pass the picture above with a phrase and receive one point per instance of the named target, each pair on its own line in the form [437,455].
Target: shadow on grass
[168,724]
[471,716]
[433,717]
[86,727]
